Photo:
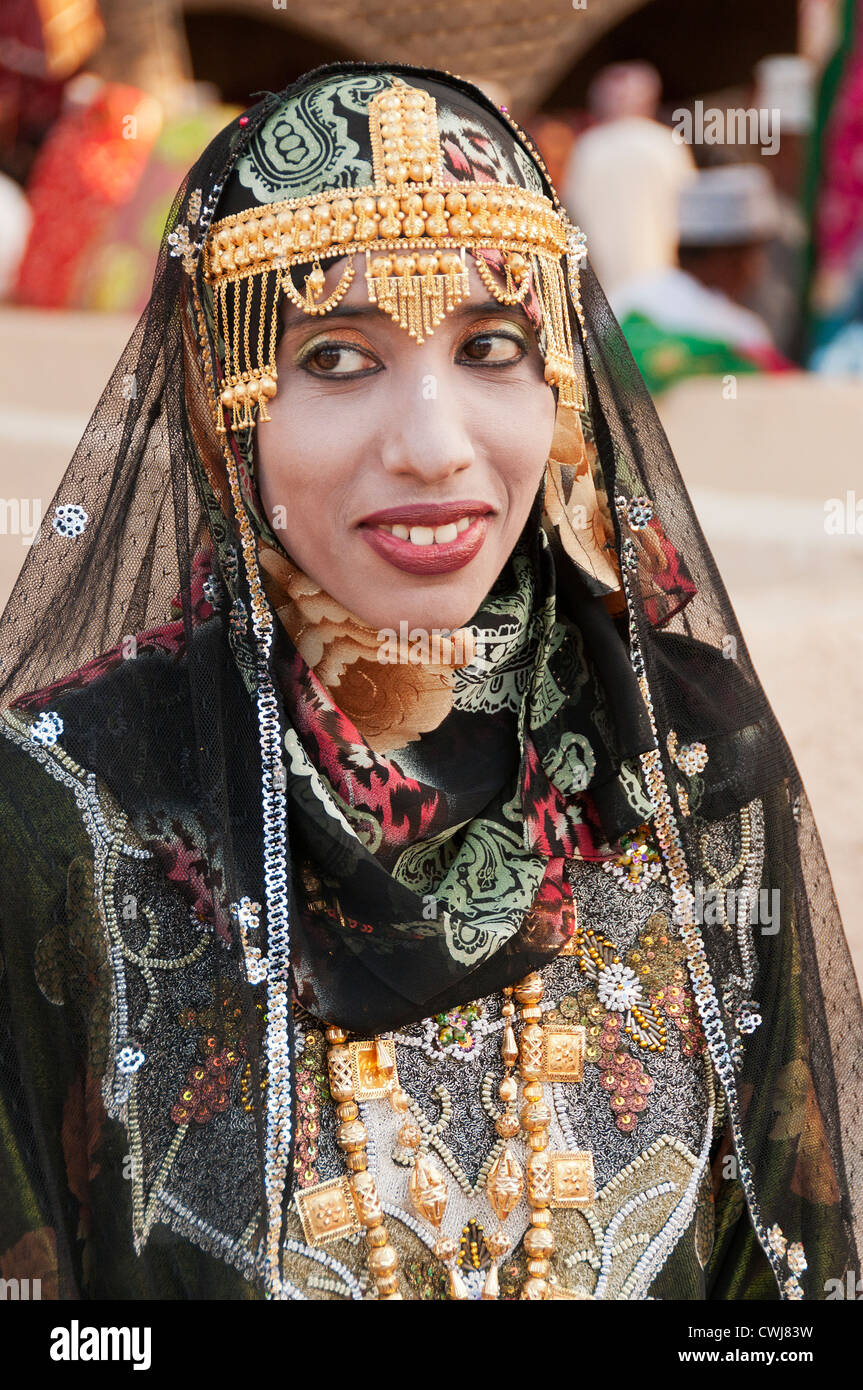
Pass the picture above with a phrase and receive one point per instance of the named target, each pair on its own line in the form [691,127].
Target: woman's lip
[428,559]
[426,513]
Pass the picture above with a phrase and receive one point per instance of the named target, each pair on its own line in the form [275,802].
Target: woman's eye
[338,359]
[494,348]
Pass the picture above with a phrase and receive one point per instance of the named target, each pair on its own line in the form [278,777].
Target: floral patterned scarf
[456,793]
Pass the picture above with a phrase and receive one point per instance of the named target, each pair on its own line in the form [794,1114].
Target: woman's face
[399,475]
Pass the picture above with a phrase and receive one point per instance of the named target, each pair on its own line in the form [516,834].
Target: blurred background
[712,153]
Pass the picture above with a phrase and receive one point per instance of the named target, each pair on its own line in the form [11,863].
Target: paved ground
[760,467]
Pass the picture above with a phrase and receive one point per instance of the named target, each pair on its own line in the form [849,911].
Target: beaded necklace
[427,1189]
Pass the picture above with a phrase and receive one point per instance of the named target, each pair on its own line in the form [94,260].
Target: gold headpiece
[423,228]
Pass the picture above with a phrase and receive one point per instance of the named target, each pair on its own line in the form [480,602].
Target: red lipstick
[438,557]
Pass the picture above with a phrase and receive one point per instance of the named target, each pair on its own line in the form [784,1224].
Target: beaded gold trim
[426,226]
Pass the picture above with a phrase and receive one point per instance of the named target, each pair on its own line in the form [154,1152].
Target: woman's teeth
[430,535]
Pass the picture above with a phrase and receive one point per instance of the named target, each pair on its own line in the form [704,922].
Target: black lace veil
[114,571]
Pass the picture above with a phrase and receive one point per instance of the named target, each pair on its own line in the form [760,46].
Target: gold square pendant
[327,1211]
[572,1180]
[563,1052]
[374,1068]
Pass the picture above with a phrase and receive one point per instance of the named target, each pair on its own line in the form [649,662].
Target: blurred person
[624,177]
[621,90]
[271,889]
[89,165]
[689,319]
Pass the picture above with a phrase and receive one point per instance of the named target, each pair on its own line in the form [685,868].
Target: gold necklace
[428,1193]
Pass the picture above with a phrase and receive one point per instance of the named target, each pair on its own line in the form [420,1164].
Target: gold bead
[535,1116]
[509,1046]
[341,1076]
[383,1260]
[428,1191]
[537,1269]
[533,1090]
[540,1216]
[539,1180]
[410,1135]
[445,1249]
[504,1184]
[356,1163]
[352,1135]
[539,1242]
[508,1089]
[399,1100]
[498,1243]
[507,1126]
[348,1110]
[531,989]
[335,1035]
[376,1237]
[366,1199]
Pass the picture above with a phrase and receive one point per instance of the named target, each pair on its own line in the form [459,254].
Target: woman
[411,895]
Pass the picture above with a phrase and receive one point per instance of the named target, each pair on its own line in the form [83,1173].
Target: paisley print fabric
[308,145]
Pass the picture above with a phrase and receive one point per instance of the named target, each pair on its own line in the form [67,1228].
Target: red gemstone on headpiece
[244,120]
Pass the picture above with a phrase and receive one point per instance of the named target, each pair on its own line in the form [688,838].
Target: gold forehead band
[414,230]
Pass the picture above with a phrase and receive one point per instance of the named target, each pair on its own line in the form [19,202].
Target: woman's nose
[427,437]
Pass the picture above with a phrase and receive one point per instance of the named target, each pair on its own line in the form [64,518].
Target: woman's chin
[442,611]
